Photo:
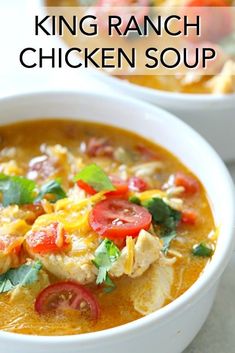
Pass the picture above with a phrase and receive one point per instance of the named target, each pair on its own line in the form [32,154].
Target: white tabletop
[218,334]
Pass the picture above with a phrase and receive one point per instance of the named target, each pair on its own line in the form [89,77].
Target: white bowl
[173,327]
[212,115]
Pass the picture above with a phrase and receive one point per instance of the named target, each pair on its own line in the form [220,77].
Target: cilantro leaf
[52,187]
[16,190]
[202,250]
[95,177]
[167,240]
[24,275]
[135,199]
[162,213]
[110,285]
[105,255]
[166,217]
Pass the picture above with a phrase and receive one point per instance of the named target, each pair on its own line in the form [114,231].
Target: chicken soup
[98,227]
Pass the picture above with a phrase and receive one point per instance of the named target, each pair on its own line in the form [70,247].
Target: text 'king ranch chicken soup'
[217,32]
[98,227]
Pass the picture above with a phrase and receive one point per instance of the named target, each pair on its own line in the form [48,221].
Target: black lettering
[114,25]
[196,25]
[89,59]
[92,26]
[64,24]
[68,62]
[43,57]
[22,58]
[156,26]
[167,51]
[188,58]
[151,57]
[105,57]
[207,57]
[167,25]
[132,26]
[130,60]
[38,25]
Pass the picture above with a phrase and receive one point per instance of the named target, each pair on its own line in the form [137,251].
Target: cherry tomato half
[120,185]
[190,184]
[67,295]
[48,239]
[117,218]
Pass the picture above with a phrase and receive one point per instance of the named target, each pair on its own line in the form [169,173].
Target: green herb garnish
[162,213]
[24,275]
[165,217]
[52,187]
[202,250]
[94,176]
[105,255]
[16,190]
[167,239]
[135,199]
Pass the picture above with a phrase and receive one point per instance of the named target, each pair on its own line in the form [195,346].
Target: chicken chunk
[145,251]
[150,291]
[13,227]
[76,263]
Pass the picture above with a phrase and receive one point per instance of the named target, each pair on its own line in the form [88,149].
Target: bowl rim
[212,272]
[153,93]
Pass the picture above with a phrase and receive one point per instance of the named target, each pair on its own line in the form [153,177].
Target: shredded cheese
[130,245]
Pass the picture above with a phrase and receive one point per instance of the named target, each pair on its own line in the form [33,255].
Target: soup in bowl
[108,224]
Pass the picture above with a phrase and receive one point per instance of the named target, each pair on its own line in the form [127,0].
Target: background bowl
[173,327]
[211,115]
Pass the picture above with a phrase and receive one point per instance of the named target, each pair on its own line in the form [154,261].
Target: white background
[218,334]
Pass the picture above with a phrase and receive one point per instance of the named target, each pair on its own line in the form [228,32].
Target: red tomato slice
[120,185]
[190,184]
[49,239]
[67,295]
[118,218]
[86,187]
[137,184]
[216,23]
[189,217]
